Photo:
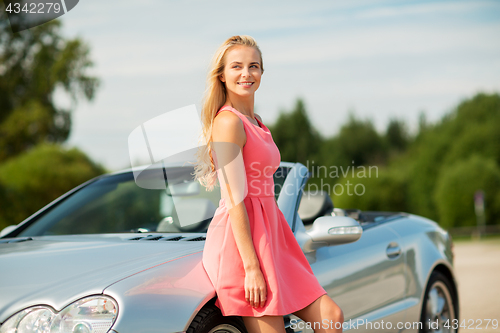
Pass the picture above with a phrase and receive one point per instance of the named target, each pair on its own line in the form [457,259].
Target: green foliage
[295,136]
[480,139]
[33,63]
[332,153]
[32,179]
[358,142]
[471,129]
[397,136]
[434,173]
[455,188]
[24,127]
[377,189]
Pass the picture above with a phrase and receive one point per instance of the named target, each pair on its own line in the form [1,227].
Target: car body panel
[85,265]
[168,295]
[359,276]
[371,287]
[427,246]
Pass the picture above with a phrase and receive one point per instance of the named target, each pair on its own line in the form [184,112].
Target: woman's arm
[228,128]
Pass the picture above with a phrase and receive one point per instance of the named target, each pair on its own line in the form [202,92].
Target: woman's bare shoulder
[227,120]
[228,127]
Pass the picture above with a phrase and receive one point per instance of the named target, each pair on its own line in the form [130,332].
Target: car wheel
[438,308]
[211,320]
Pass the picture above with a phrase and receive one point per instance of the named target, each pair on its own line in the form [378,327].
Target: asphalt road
[477,265]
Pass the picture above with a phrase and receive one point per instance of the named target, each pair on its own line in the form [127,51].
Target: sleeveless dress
[291,284]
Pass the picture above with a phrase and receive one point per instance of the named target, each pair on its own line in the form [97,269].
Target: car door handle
[393,250]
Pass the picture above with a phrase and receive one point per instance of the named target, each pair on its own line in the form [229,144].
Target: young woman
[251,255]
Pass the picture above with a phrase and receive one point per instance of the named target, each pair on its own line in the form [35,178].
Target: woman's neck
[244,106]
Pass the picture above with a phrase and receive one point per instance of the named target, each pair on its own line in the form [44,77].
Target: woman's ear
[221,77]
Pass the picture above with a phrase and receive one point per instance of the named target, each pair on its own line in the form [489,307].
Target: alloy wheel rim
[439,308]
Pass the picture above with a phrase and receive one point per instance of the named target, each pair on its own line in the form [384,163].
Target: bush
[470,128]
[34,178]
[455,188]
[382,191]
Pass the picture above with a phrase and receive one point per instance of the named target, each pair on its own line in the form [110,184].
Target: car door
[365,278]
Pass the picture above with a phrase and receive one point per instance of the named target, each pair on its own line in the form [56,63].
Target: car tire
[439,306]
[211,320]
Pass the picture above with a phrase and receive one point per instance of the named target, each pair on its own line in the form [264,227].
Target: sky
[376,59]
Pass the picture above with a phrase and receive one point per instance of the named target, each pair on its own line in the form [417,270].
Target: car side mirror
[332,230]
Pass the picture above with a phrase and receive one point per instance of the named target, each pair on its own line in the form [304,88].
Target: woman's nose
[245,72]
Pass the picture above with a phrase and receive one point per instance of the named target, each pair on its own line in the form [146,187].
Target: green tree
[470,129]
[440,169]
[378,189]
[33,63]
[295,136]
[359,143]
[455,188]
[33,179]
[397,136]
[333,154]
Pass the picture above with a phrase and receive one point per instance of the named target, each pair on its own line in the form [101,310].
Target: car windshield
[119,204]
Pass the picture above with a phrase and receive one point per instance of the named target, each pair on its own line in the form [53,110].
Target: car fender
[163,298]
[427,247]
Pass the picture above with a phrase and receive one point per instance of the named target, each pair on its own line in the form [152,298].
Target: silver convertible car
[113,255]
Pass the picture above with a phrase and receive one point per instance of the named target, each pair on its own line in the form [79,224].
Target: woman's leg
[265,324]
[324,315]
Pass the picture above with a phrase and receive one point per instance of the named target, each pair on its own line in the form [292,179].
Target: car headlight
[93,314]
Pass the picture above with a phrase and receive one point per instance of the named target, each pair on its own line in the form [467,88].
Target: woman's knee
[335,312]
[339,314]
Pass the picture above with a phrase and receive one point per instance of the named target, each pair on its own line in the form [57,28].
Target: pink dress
[291,284]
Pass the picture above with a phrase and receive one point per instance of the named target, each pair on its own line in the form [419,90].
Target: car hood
[57,270]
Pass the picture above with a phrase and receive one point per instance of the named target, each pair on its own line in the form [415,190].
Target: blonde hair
[214,98]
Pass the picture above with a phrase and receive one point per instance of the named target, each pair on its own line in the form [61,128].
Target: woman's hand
[255,288]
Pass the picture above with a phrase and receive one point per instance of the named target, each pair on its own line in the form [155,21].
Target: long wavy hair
[214,98]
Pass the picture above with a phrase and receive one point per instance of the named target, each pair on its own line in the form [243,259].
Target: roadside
[477,266]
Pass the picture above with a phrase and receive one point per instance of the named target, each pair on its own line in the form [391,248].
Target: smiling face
[242,71]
